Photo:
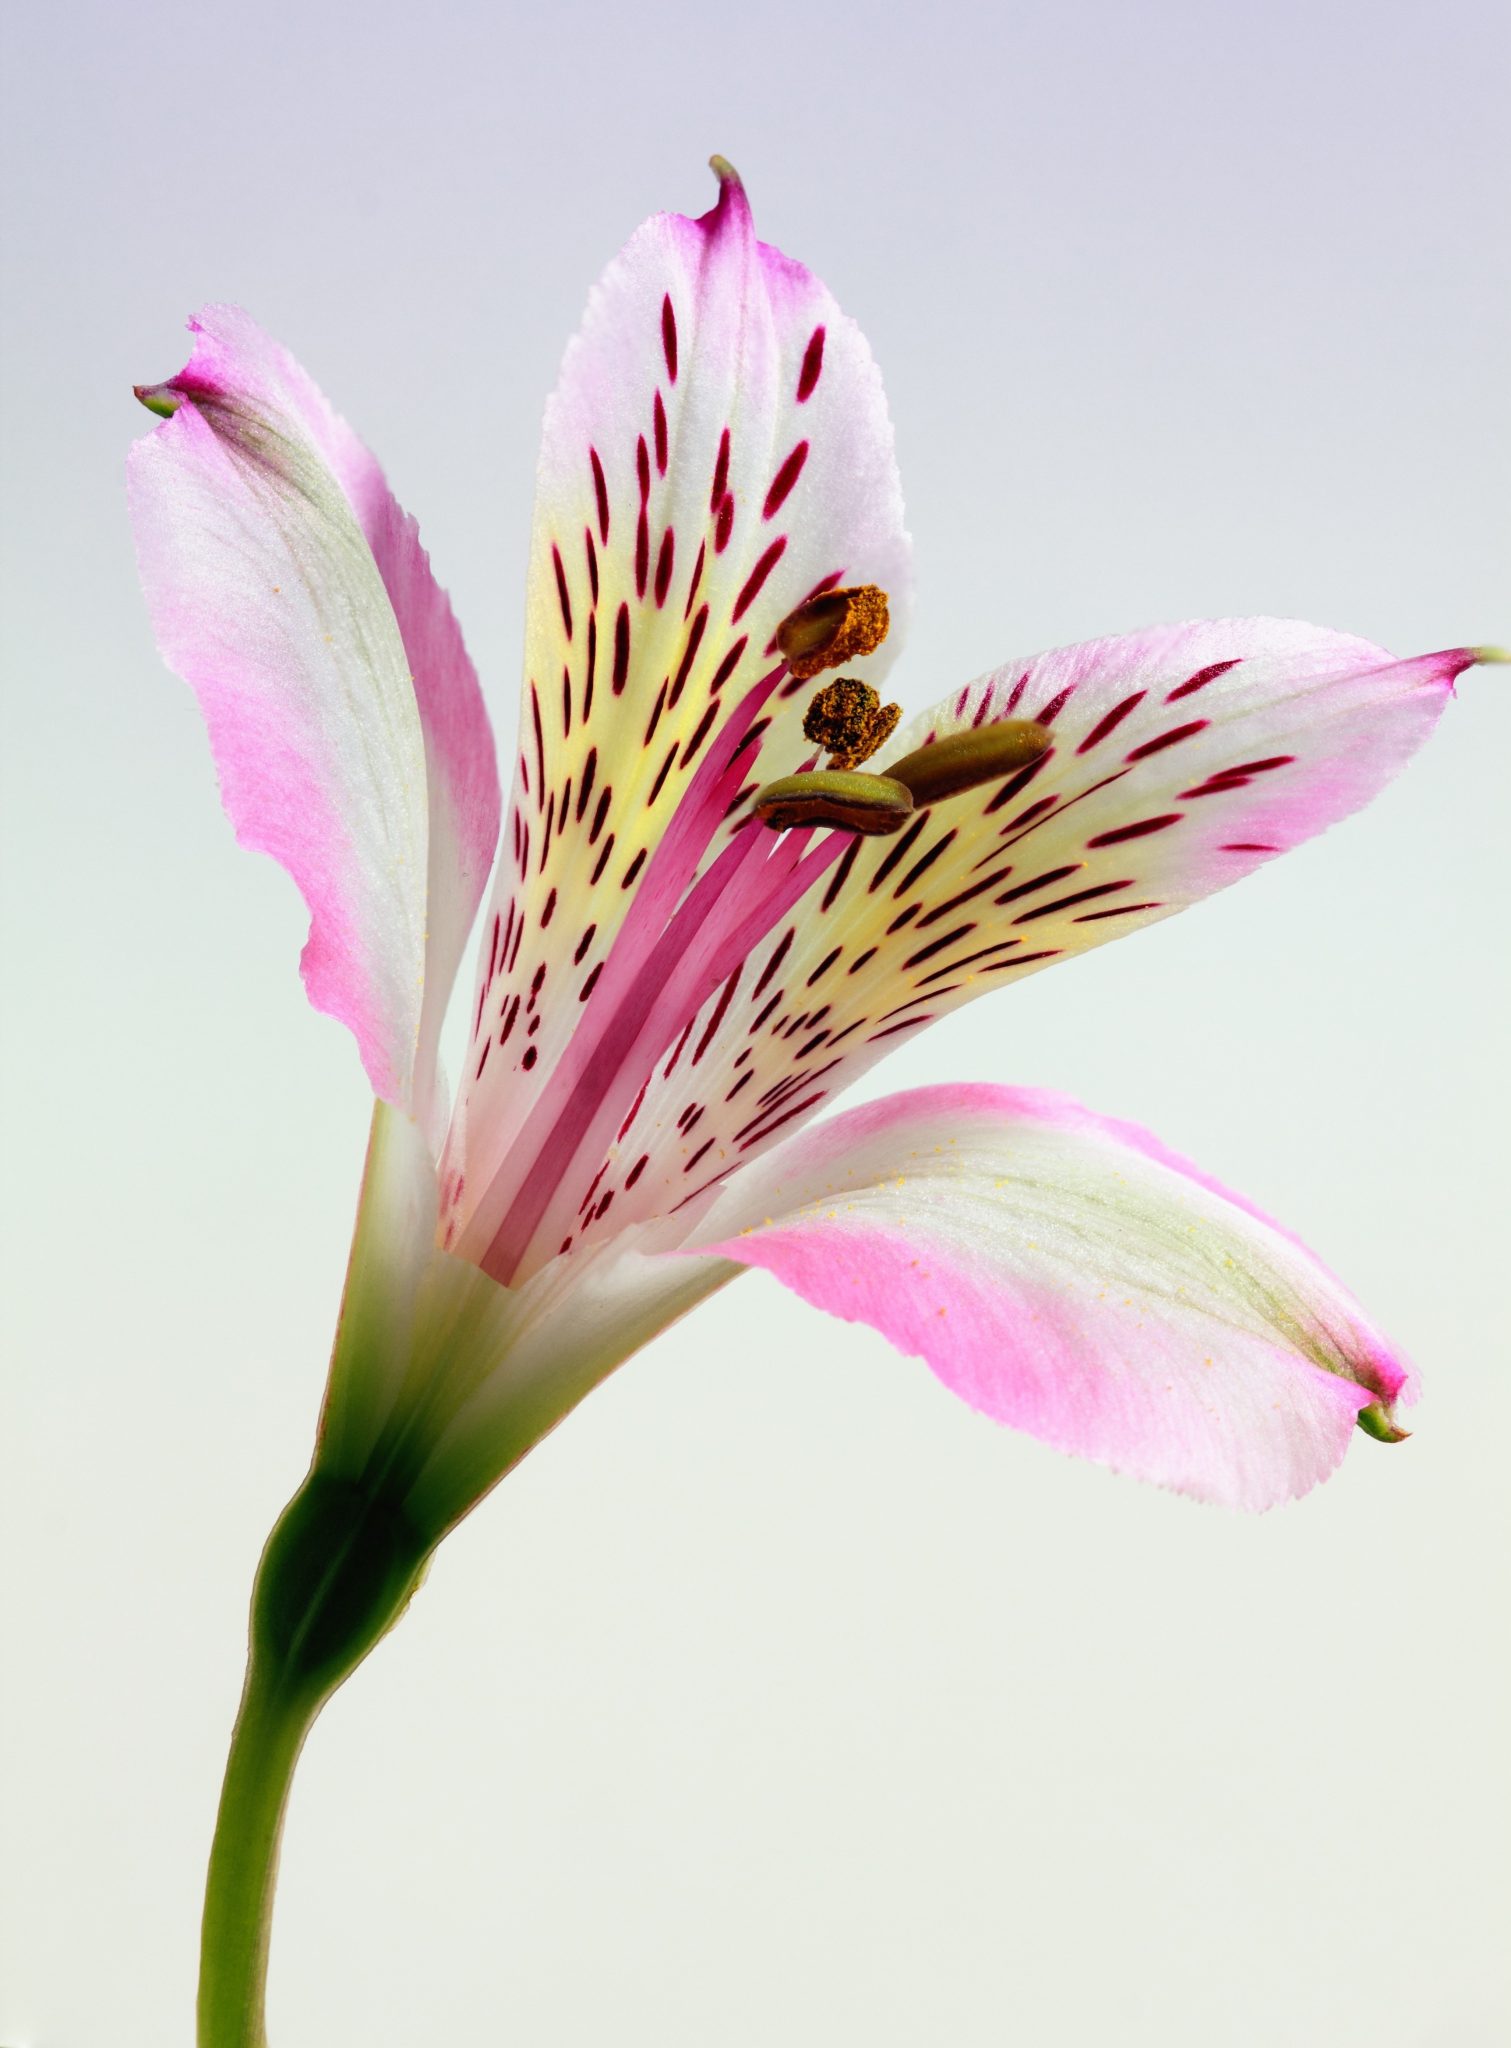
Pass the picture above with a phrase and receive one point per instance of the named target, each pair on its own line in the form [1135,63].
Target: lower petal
[1068,1275]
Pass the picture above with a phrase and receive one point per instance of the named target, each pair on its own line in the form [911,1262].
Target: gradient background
[778,1698]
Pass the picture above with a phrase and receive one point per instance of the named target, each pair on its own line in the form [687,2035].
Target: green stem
[338,1571]
[269,1734]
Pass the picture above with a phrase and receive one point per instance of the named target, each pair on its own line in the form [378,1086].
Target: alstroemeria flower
[667,991]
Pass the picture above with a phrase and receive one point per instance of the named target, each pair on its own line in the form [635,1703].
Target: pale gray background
[779,1699]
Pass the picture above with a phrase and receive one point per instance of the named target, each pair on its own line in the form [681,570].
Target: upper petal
[1183,757]
[291,592]
[717,447]
[1070,1276]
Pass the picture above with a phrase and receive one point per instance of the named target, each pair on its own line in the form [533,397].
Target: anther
[849,721]
[868,804]
[964,760]
[836,627]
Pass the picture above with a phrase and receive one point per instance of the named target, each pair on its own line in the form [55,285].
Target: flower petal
[1183,758]
[291,592]
[718,445]
[1070,1276]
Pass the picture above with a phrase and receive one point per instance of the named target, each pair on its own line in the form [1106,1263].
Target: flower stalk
[338,1571]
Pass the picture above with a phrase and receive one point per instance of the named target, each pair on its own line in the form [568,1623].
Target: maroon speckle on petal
[717,1018]
[1168,739]
[783,481]
[1015,784]
[540,748]
[1118,910]
[728,665]
[658,422]
[1201,679]
[907,1024]
[783,947]
[813,363]
[757,577]
[1021,960]
[1055,706]
[664,566]
[1021,889]
[561,589]
[661,773]
[1237,777]
[700,733]
[1077,896]
[689,653]
[1141,830]
[840,875]
[621,649]
[898,851]
[692,588]
[669,337]
[601,493]
[1111,721]
[721,473]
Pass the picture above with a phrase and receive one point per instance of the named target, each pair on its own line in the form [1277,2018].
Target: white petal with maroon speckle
[718,447]
[1070,1276]
[1183,758]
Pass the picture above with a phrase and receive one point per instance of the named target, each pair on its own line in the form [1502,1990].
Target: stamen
[836,627]
[964,760]
[869,804]
[849,721]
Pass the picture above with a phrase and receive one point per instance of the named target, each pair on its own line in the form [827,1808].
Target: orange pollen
[849,721]
[833,628]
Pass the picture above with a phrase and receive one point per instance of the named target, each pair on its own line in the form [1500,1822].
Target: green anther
[964,760]
[869,804]
[1375,1421]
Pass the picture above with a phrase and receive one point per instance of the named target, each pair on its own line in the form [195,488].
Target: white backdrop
[777,1699]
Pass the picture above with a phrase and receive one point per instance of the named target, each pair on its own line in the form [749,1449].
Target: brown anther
[849,721]
[868,804]
[836,627]
[966,760]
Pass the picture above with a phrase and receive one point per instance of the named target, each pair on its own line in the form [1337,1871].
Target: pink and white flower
[667,993]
